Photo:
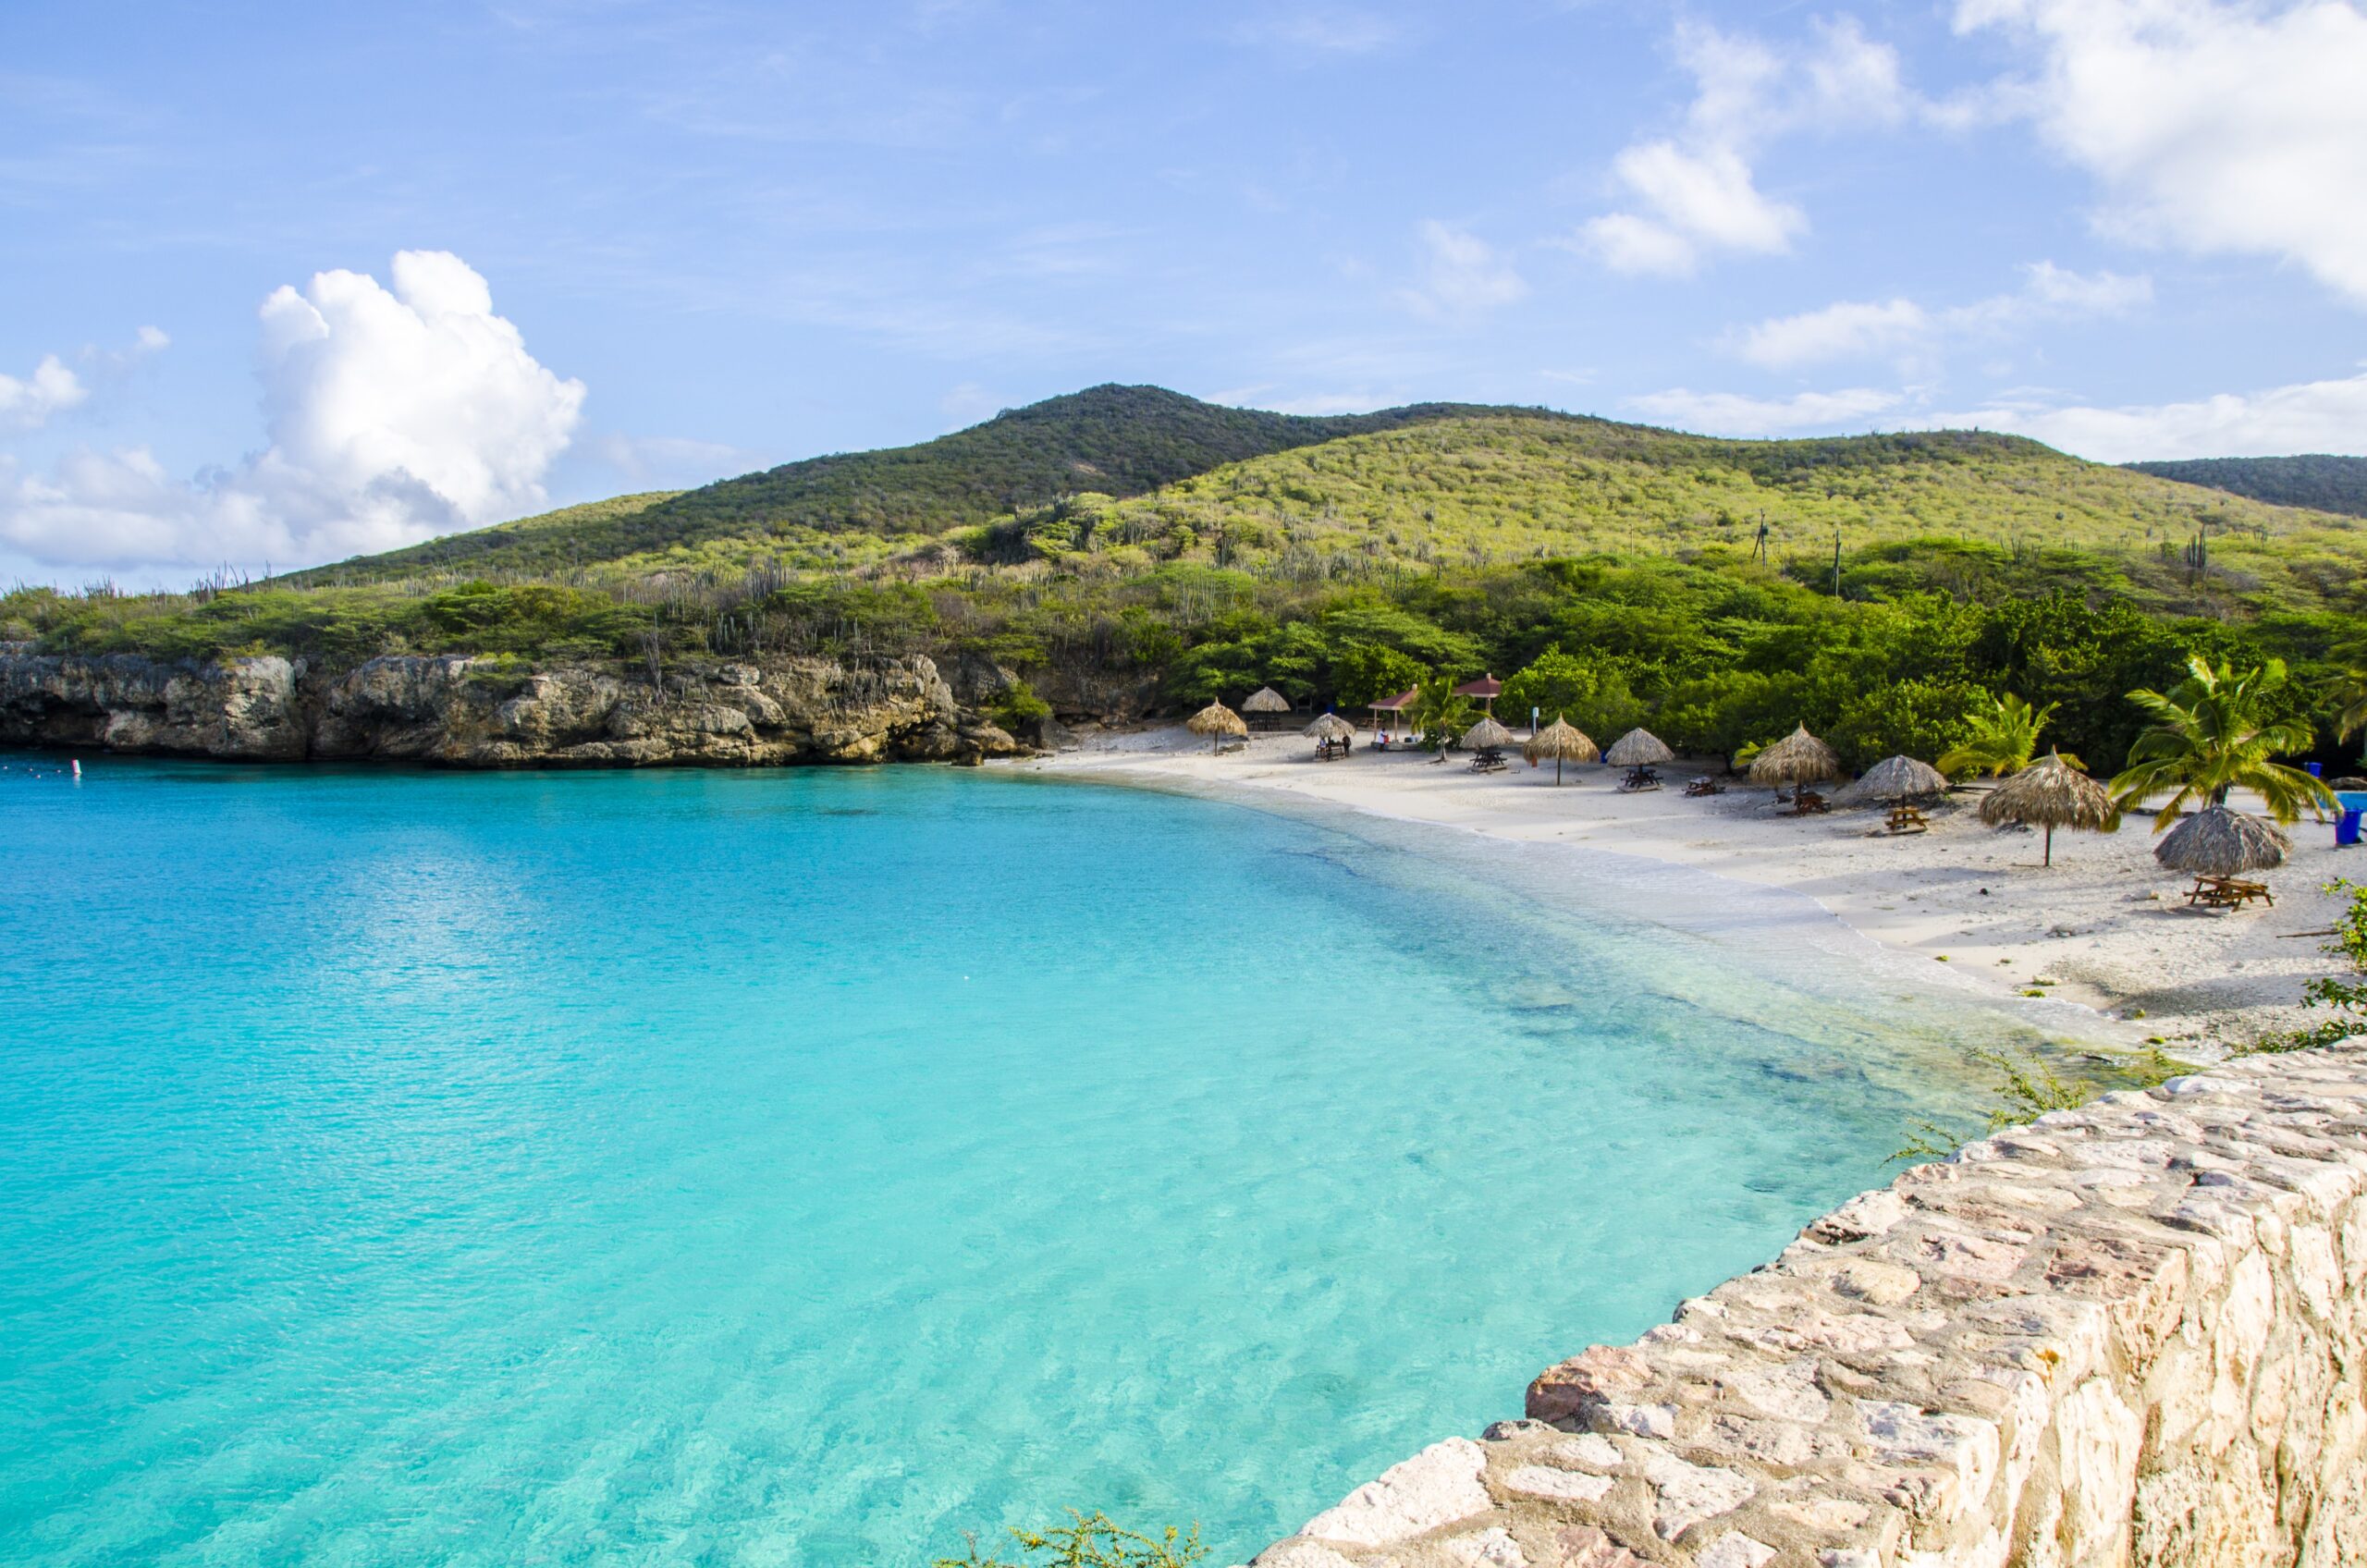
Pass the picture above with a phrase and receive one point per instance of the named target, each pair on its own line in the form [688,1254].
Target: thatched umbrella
[1639,748]
[1265,701]
[2215,842]
[1216,721]
[1331,727]
[2053,794]
[1487,736]
[1896,779]
[1562,741]
[1797,759]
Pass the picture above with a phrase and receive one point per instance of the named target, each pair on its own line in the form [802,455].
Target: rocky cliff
[463,711]
[2130,1336]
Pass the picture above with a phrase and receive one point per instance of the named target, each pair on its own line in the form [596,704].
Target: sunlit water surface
[808,1167]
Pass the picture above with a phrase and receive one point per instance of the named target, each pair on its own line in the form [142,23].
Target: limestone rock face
[2129,1334]
[246,709]
[461,712]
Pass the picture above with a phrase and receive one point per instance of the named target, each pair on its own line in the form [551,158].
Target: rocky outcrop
[494,713]
[2134,1334]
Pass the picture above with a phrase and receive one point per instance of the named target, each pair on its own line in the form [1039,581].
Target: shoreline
[2105,930]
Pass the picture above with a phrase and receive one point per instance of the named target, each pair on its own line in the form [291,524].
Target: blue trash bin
[2346,830]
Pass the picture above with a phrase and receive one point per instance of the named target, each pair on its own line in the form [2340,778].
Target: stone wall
[2132,1333]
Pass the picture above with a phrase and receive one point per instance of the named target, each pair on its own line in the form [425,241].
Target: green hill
[1486,487]
[1115,440]
[2327,483]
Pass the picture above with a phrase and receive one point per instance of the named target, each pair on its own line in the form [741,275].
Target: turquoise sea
[807,1167]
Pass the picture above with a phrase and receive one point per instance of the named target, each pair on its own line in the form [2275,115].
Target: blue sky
[650,245]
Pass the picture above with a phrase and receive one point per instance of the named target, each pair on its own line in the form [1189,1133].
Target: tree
[2003,738]
[2347,695]
[1438,713]
[2217,730]
[1584,690]
[1364,672]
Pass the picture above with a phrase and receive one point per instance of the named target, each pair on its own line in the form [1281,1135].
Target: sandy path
[2105,924]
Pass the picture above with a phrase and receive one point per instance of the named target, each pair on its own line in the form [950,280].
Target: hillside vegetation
[1127,548]
[1116,440]
[2327,483]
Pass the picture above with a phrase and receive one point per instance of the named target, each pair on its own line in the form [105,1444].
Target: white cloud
[51,388]
[1695,194]
[1863,329]
[1329,32]
[1852,329]
[2219,127]
[2315,416]
[393,414]
[1462,275]
[1731,413]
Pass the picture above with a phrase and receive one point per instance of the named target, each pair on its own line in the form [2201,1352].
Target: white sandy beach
[2104,927]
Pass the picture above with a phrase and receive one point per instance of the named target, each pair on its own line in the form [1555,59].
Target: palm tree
[2213,732]
[2004,739]
[1438,712]
[2347,695]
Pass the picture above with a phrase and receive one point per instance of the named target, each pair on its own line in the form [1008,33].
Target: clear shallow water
[806,1167]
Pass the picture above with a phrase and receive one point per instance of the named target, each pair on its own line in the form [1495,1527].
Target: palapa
[1265,700]
[1216,721]
[1797,759]
[1562,741]
[1894,779]
[2051,793]
[1332,727]
[1639,748]
[2215,842]
[1487,736]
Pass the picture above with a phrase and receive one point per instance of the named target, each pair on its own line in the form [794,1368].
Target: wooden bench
[2227,892]
[1905,819]
[1704,786]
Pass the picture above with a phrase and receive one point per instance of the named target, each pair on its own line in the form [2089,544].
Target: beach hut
[1799,759]
[1216,721]
[1264,703]
[1639,748]
[2215,842]
[1396,707]
[1562,741]
[1486,688]
[1333,735]
[2051,793]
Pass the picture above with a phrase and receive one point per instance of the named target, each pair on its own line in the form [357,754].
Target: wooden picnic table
[2227,892]
[1905,819]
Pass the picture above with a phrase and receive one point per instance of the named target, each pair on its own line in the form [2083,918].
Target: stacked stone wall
[2132,1333]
